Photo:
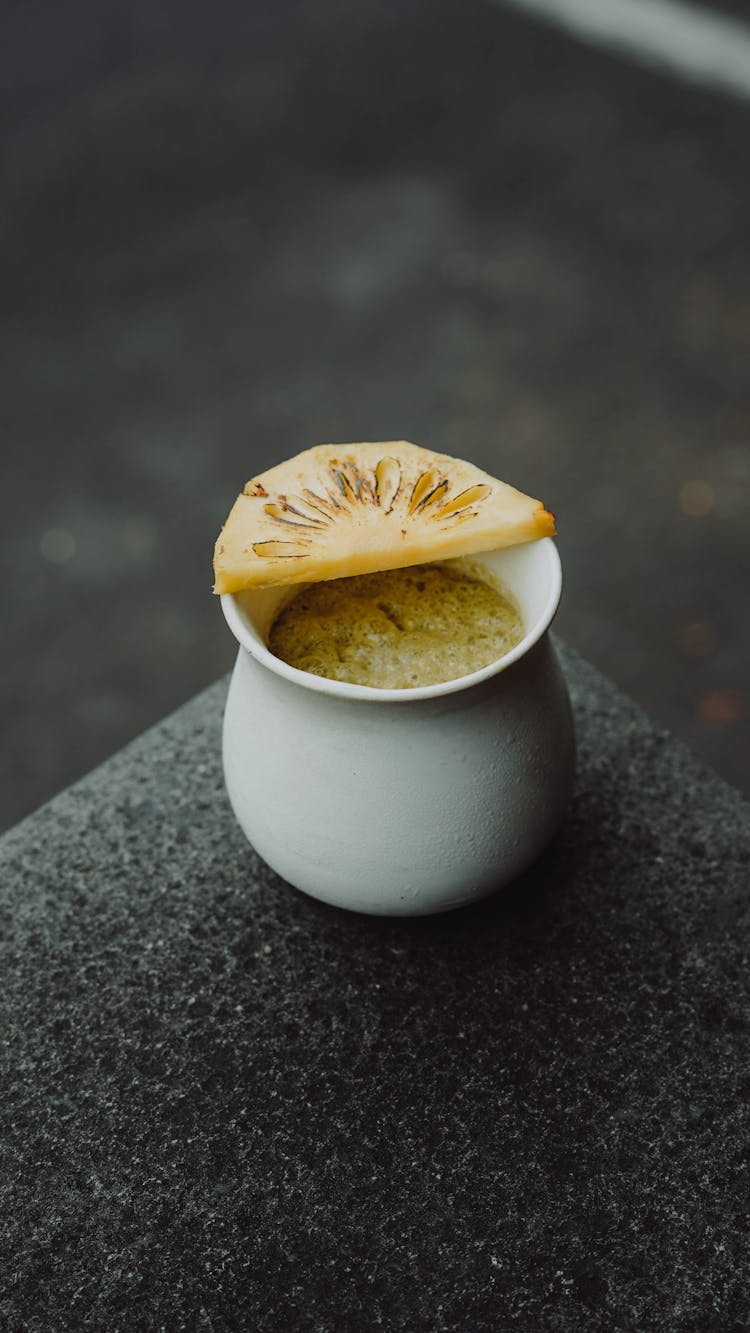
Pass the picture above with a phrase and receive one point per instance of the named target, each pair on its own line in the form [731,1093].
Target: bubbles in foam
[400,628]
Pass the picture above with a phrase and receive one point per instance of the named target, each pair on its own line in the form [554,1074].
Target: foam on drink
[399,629]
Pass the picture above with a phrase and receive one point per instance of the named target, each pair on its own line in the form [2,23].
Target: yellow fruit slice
[341,509]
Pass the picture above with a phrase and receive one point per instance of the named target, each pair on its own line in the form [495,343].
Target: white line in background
[700,45]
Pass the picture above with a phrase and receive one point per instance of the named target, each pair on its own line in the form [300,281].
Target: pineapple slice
[341,509]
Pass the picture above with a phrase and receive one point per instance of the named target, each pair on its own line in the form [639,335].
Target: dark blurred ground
[231,233]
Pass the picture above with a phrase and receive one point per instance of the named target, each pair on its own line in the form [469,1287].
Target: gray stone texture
[228,1107]
[228,232]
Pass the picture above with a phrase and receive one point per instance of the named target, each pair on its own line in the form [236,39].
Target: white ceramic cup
[402,802]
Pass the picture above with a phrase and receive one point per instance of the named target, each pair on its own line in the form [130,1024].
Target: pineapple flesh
[345,509]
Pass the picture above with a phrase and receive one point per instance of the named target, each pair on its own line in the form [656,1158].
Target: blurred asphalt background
[232,231]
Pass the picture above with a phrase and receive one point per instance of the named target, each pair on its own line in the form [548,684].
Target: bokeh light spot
[722,705]
[57,545]
[696,638]
[697,498]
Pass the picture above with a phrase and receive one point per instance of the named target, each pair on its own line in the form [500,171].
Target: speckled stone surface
[225,1106]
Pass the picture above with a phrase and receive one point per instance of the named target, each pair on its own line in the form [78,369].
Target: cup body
[402,802]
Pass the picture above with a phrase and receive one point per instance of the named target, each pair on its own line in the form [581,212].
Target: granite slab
[226,1106]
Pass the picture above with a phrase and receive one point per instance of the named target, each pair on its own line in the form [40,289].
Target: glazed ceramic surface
[402,802]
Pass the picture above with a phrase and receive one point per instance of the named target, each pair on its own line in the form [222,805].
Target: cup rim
[249,639]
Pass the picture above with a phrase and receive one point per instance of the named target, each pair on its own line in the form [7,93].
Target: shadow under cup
[402,802]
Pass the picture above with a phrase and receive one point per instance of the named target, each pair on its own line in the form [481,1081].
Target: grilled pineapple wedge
[341,509]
